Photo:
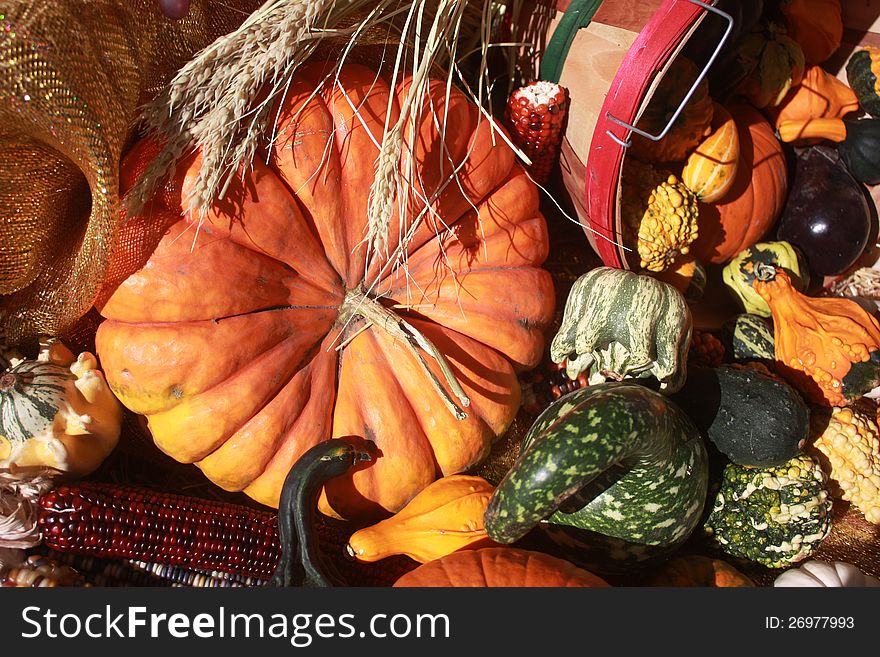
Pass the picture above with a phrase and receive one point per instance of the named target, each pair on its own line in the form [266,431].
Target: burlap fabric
[73,74]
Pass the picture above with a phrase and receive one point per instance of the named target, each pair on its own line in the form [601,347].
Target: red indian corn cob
[107,520]
[536,116]
[113,521]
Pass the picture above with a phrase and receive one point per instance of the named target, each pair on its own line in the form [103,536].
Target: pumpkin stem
[358,303]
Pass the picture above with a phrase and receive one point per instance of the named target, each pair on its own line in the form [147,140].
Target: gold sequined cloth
[73,74]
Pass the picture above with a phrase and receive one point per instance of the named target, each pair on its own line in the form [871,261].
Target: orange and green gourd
[827,348]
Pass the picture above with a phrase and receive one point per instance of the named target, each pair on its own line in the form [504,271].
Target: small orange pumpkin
[756,198]
[499,567]
[816,26]
[445,517]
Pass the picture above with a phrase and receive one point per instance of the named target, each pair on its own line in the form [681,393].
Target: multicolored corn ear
[536,116]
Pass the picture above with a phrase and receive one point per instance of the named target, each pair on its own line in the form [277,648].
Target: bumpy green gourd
[774,516]
[618,324]
[629,453]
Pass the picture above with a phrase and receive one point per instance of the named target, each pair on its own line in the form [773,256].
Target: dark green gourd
[752,417]
[300,563]
[862,77]
[628,454]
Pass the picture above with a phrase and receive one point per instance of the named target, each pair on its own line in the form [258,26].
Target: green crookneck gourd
[618,324]
[300,563]
[631,455]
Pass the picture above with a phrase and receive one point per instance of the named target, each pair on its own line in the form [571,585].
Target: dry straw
[221,102]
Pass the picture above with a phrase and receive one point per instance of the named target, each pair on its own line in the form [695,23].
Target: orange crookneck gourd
[828,348]
[445,517]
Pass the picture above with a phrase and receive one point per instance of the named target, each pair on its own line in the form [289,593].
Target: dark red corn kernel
[120,522]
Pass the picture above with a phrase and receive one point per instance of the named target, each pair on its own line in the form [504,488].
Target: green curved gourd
[618,324]
[633,444]
[300,563]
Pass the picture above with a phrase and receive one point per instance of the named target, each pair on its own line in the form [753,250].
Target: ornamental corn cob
[115,521]
[153,528]
[536,116]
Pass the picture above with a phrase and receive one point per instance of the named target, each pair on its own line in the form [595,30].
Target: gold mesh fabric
[73,74]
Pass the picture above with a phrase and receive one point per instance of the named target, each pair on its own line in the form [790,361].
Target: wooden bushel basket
[612,68]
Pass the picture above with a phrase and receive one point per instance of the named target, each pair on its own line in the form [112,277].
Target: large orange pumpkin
[755,200]
[259,329]
[499,567]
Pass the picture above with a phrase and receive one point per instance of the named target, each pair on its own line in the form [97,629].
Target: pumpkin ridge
[363,362]
[198,416]
[480,431]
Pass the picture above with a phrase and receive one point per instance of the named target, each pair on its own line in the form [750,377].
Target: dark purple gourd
[826,214]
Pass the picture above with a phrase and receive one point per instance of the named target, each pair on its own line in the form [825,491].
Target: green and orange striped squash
[711,169]
[259,330]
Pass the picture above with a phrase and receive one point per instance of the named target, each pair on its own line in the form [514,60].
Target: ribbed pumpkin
[258,330]
[756,198]
[495,567]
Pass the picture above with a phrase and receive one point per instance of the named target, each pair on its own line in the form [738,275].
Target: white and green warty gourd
[56,412]
[618,324]
[632,460]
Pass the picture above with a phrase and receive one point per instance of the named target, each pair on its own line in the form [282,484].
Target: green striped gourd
[57,412]
[631,455]
[749,337]
[618,324]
